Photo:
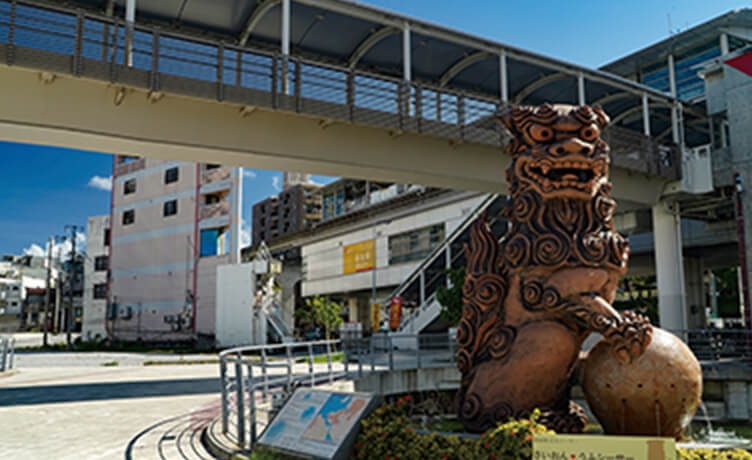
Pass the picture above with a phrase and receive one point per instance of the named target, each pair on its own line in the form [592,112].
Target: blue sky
[45,188]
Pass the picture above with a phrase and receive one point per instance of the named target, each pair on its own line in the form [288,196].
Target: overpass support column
[669,267]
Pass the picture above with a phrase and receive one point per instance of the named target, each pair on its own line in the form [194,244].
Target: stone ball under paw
[656,395]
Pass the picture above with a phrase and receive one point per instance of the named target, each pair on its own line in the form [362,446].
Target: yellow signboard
[576,447]
[358,257]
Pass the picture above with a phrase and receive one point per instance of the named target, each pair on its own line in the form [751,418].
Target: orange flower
[529,437]
[399,402]
[446,456]
[408,398]
[513,432]
[494,456]
[486,445]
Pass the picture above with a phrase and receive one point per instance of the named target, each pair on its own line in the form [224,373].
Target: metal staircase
[419,289]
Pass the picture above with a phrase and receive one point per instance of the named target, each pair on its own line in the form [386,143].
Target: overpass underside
[74,83]
[82,80]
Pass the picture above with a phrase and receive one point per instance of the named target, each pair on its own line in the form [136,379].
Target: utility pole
[47,290]
[71,283]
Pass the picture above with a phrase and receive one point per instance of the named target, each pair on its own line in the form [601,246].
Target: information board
[318,423]
[586,447]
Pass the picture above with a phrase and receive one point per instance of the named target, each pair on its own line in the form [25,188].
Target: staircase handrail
[482,206]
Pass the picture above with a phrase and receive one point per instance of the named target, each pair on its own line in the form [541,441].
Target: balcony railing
[69,41]
[208,211]
[129,167]
[215,175]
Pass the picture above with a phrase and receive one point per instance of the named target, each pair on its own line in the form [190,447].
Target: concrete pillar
[669,267]
[352,309]
[694,282]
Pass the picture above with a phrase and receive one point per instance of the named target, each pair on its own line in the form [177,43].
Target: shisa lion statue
[531,300]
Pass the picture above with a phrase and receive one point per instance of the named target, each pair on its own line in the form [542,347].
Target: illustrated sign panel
[317,423]
[585,447]
[357,257]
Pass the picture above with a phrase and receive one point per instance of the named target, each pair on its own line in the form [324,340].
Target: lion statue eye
[589,133]
[541,133]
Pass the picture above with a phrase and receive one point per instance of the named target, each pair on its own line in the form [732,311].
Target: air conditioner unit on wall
[697,170]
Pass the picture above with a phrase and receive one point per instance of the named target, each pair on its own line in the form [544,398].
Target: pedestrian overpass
[323,86]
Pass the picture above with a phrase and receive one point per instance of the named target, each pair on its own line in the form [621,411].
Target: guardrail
[57,39]
[7,353]
[260,371]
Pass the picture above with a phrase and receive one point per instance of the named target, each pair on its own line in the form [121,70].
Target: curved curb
[218,444]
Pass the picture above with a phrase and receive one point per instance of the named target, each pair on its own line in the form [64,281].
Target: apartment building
[95,278]
[296,208]
[172,224]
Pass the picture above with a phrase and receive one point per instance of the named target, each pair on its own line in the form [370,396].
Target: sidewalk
[94,412]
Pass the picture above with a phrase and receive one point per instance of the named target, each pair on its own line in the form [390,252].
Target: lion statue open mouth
[530,300]
[558,150]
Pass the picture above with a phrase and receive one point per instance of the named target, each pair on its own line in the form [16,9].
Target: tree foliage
[324,312]
[450,298]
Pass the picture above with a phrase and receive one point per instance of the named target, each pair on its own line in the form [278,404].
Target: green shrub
[712,454]
[387,435]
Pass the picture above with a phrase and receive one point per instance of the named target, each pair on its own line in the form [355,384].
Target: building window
[14,304]
[170,208]
[129,217]
[100,291]
[100,263]
[106,236]
[171,175]
[415,244]
[15,288]
[210,166]
[129,187]
[214,241]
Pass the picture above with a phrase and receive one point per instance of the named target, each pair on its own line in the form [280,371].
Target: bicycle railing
[7,353]
[265,369]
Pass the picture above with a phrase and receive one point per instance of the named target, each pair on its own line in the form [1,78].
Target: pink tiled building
[172,224]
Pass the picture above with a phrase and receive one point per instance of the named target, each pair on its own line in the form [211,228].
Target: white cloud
[247,173]
[101,183]
[60,250]
[275,183]
[245,234]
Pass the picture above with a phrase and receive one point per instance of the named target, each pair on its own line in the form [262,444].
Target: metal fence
[76,42]
[719,346]
[251,376]
[7,353]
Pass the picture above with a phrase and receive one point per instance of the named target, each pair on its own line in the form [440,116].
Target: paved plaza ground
[70,406]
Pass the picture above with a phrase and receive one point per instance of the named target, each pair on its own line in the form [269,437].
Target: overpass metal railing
[77,42]
[7,353]
[250,375]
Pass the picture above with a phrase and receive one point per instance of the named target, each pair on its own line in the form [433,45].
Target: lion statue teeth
[530,300]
